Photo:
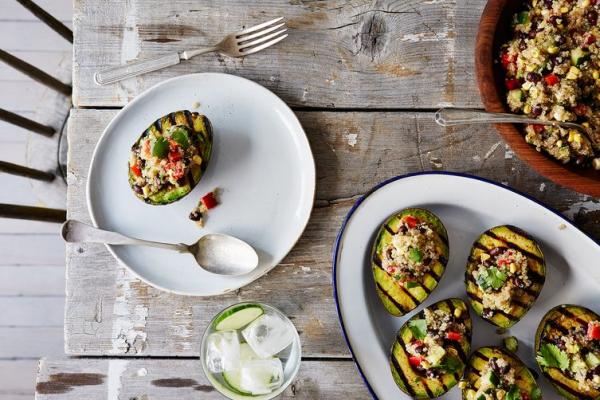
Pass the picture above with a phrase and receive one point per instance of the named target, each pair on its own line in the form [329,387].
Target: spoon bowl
[216,252]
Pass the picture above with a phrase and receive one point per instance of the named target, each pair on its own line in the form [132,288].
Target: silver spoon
[217,253]
[458,116]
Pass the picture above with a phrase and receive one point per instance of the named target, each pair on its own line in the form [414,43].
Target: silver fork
[238,44]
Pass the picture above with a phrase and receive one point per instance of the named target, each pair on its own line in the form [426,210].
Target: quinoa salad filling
[552,71]
[163,161]
[429,352]
[502,275]
[498,382]
[411,252]
[576,353]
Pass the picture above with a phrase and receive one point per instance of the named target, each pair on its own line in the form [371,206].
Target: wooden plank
[353,151]
[173,379]
[17,379]
[45,39]
[31,342]
[29,311]
[17,249]
[365,54]
[32,281]
[13,11]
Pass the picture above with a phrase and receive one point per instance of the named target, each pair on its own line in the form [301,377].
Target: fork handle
[455,116]
[121,72]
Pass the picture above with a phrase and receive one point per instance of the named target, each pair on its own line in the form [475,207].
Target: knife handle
[121,72]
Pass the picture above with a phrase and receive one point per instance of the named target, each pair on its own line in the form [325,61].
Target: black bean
[560,40]
[536,110]
[495,251]
[403,229]
[522,45]
[592,16]
[548,4]
[533,77]
[137,189]
[195,215]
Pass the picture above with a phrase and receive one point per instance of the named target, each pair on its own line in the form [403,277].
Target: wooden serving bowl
[494,31]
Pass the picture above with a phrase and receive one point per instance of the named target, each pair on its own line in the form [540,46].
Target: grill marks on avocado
[415,382]
[509,237]
[397,298]
[557,322]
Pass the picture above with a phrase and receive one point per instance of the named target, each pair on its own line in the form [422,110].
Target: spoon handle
[77,232]
[457,116]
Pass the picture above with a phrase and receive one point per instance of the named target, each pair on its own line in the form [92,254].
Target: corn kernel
[586,124]
[559,143]
[596,74]
[530,68]
[457,312]
[484,256]
[527,109]
[462,384]
[513,267]
[585,3]
[564,10]
[573,73]
[197,159]
[552,50]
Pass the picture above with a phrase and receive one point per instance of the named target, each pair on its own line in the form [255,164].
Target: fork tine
[262,39]
[264,45]
[257,27]
[260,33]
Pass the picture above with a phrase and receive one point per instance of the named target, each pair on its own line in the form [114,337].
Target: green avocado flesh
[200,134]
[506,236]
[413,381]
[396,298]
[558,321]
[524,379]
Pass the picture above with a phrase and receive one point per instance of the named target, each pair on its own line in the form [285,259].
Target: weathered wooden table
[364,78]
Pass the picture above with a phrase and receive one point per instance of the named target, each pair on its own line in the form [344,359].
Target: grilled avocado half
[525,385]
[451,360]
[560,321]
[397,297]
[492,241]
[197,131]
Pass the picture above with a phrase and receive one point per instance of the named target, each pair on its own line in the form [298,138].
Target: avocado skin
[202,136]
[568,388]
[398,301]
[510,237]
[416,384]
[523,376]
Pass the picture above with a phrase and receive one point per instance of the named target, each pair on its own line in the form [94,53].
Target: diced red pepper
[538,128]
[524,396]
[506,59]
[415,361]
[410,221]
[174,156]
[455,336]
[512,84]
[580,109]
[209,200]
[136,170]
[177,170]
[551,79]
[593,332]
[418,343]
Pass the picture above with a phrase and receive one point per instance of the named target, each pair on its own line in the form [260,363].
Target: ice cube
[261,376]
[269,334]
[223,351]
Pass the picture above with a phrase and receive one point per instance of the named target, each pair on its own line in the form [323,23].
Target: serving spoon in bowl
[217,253]
[459,116]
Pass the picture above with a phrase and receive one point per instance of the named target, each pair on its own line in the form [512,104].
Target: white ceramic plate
[467,206]
[261,161]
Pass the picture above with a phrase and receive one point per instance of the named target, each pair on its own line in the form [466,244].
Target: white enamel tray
[467,206]
[261,161]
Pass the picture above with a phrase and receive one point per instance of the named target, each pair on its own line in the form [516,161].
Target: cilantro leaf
[180,135]
[493,379]
[536,394]
[514,393]
[451,364]
[553,357]
[411,284]
[160,148]
[418,327]
[491,278]
[415,255]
